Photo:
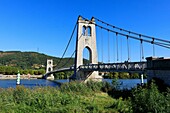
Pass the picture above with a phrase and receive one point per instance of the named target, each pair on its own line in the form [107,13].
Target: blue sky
[46,25]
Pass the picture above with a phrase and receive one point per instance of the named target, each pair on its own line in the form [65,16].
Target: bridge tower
[86,38]
[49,68]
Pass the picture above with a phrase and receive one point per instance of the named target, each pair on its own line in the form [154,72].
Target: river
[124,83]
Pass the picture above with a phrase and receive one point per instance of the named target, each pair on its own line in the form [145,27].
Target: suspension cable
[153,46]
[128,48]
[117,44]
[136,38]
[114,50]
[68,60]
[140,48]
[142,51]
[165,45]
[68,44]
[108,48]
[102,44]
[71,55]
[131,31]
[121,49]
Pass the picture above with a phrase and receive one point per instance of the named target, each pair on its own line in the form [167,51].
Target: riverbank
[4,77]
[79,97]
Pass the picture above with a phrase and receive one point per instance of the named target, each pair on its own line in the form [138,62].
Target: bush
[150,100]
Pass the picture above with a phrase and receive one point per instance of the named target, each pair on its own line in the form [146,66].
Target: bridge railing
[126,66]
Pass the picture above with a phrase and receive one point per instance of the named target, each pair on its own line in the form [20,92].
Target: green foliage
[135,75]
[150,100]
[8,70]
[71,97]
[63,75]
[83,98]
[29,60]
[122,106]
[122,75]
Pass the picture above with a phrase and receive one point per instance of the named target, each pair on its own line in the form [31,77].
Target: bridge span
[136,67]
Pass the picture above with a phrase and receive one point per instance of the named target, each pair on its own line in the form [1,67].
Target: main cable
[165,45]
[136,38]
[131,31]
[71,55]
[67,44]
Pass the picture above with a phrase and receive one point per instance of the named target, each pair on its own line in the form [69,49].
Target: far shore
[2,77]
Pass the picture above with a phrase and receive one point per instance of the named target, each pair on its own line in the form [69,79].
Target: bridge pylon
[86,38]
[49,68]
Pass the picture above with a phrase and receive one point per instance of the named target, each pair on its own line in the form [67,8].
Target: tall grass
[77,97]
[70,97]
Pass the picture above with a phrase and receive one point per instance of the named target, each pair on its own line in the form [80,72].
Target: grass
[71,98]
[77,97]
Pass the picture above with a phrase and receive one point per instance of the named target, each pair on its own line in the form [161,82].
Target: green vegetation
[122,75]
[9,70]
[90,97]
[29,60]
[150,100]
[63,75]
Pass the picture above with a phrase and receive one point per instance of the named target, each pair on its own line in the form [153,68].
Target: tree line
[9,70]
[122,75]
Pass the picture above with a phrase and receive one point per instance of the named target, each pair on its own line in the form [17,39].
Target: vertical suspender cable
[108,48]
[102,44]
[121,49]
[128,48]
[140,48]
[153,46]
[114,50]
[142,53]
[117,46]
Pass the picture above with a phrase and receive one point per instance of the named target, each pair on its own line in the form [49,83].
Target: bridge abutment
[158,68]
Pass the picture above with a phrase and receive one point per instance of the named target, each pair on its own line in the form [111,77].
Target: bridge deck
[118,67]
[138,67]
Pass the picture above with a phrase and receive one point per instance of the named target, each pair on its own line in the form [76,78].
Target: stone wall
[158,68]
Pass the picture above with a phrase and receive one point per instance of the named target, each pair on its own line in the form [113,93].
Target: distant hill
[30,60]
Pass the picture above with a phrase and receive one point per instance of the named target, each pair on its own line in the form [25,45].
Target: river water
[124,83]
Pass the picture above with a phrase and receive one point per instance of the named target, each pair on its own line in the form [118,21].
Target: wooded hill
[30,60]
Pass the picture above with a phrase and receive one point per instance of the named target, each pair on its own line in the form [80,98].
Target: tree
[115,75]
[41,71]
[124,75]
[134,75]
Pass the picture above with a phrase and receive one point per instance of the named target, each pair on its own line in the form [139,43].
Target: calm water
[27,83]
[125,83]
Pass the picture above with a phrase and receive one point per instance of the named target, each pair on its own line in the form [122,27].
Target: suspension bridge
[115,45]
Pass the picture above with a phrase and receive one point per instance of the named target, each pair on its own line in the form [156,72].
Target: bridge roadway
[138,67]
[115,67]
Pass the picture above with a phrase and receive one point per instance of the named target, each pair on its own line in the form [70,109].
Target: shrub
[150,100]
